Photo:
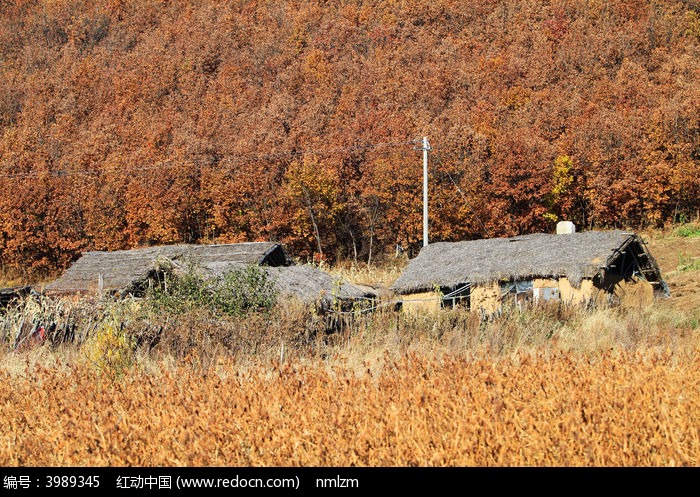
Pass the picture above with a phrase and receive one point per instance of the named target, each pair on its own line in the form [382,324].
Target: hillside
[679,260]
[126,124]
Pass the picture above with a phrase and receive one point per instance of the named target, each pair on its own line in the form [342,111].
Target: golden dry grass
[622,409]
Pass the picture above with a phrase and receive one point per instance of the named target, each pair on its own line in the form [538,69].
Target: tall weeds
[292,331]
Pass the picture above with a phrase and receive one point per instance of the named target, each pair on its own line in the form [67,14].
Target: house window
[519,292]
[454,297]
[546,294]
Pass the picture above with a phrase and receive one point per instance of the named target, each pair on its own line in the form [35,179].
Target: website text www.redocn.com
[237,482]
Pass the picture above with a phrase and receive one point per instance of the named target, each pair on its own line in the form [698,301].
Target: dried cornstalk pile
[618,410]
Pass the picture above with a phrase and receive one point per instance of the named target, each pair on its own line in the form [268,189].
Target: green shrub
[184,291]
[690,230]
[688,263]
[240,291]
[235,293]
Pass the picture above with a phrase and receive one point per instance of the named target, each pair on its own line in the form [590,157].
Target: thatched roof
[306,283]
[575,256]
[8,295]
[124,271]
[312,285]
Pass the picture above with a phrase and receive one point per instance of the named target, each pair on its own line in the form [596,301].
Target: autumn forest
[131,123]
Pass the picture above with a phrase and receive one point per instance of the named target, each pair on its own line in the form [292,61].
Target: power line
[238,158]
[468,204]
[95,172]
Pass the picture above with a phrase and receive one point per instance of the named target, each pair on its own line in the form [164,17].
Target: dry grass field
[622,409]
[547,387]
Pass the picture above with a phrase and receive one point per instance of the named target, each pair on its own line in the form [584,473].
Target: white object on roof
[565,228]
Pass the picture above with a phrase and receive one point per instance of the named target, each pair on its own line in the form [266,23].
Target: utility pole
[426,147]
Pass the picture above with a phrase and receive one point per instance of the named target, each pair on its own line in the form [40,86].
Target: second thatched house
[132,272]
[589,268]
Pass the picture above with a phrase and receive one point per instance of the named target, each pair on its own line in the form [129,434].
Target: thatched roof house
[577,267]
[130,272]
[12,294]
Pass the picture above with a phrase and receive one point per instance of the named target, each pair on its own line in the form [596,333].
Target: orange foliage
[128,123]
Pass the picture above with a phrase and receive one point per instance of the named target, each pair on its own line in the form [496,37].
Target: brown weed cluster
[553,409]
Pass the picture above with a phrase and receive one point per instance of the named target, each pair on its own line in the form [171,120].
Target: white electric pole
[426,147]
